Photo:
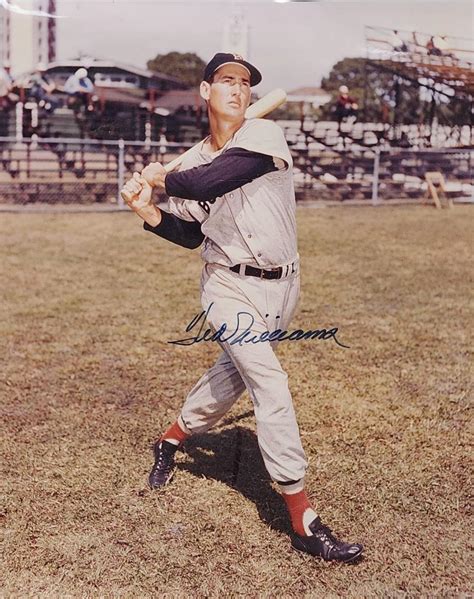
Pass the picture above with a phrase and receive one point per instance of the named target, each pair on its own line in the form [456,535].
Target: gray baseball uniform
[253,225]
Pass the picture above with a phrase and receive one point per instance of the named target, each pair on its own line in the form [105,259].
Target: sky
[293,44]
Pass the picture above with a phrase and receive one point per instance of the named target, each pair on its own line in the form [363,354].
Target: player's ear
[205,90]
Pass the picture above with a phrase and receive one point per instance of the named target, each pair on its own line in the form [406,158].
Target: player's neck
[221,132]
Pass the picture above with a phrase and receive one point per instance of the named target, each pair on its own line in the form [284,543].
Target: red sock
[175,434]
[301,512]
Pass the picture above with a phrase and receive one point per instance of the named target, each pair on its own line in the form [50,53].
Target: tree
[185,66]
[376,91]
[385,96]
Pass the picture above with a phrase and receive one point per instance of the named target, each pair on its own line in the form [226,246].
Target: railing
[380,44]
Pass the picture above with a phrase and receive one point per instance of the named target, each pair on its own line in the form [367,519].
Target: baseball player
[235,192]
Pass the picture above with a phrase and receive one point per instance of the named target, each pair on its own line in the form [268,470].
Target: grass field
[89,302]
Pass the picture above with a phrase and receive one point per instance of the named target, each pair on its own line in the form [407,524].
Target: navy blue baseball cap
[222,58]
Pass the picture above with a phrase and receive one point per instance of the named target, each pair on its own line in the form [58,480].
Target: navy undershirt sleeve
[182,232]
[231,170]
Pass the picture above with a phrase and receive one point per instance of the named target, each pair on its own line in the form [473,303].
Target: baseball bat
[260,108]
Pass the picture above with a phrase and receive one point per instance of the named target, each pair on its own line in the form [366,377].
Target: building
[109,75]
[127,102]
[5,41]
[27,34]
[235,37]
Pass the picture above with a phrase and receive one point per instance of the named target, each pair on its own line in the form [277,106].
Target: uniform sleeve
[186,209]
[265,137]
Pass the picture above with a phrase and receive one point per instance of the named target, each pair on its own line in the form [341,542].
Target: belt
[269,273]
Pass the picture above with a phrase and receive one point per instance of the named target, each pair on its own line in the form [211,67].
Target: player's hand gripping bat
[260,108]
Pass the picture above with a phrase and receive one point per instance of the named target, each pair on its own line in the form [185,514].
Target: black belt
[272,273]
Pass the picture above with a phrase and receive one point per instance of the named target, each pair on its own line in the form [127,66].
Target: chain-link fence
[376,175]
[80,171]
[61,170]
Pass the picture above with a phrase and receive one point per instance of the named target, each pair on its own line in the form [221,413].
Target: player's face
[229,93]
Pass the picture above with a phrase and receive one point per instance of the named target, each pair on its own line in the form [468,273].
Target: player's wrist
[150,214]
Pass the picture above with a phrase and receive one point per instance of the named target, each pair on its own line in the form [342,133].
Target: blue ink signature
[246,335]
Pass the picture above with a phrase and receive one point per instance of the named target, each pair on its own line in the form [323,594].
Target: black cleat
[322,543]
[164,466]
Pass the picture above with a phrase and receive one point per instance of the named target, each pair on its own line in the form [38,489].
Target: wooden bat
[260,108]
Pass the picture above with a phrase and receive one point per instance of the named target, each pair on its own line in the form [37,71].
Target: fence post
[375,178]
[121,172]
[19,121]
[147,135]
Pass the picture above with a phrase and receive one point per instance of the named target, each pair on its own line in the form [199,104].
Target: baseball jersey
[253,224]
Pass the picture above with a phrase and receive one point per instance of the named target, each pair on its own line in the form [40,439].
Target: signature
[245,322]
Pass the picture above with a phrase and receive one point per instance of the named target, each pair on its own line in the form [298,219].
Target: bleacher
[325,134]
[342,160]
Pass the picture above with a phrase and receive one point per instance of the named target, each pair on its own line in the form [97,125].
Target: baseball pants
[264,305]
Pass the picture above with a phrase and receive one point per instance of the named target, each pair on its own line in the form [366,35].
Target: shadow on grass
[232,456]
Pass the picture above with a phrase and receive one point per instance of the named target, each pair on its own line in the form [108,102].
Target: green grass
[89,302]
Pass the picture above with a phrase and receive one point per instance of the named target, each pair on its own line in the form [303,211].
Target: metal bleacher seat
[319,134]
[370,139]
